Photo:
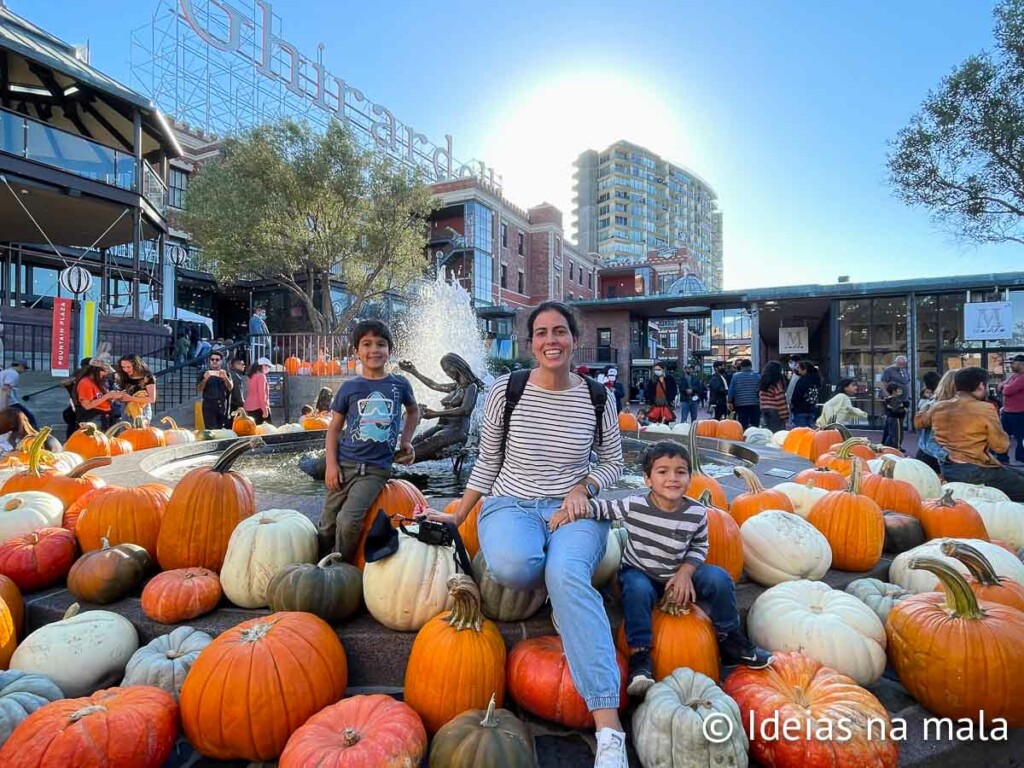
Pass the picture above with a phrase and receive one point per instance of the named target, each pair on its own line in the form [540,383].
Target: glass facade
[729,336]
[872,332]
[479,230]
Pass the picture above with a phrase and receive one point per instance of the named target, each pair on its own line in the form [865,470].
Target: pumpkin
[1004,563]
[457,660]
[74,510]
[818,700]
[334,367]
[361,731]
[683,636]
[28,511]
[889,493]
[123,516]
[35,475]
[853,525]
[81,653]
[607,569]
[822,477]
[141,436]
[404,591]
[398,498]
[669,727]
[628,422]
[76,483]
[803,497]
[779,438]
[118,445]
[291,365]
[757,436]
[699,482]
[266,428]
[286,429]
[165,661]
[320,368]
[915,472]
[984,582]
[730,429]
[206,435]
[483,737]
[181,594]
[89,442]
[21,694]
[840,458]
[949,516]
[798,441]
[243,424]
[257,682]
[957,656]
[705,428]
[331,589]
[259,546]
[78,732]
[756,498]
[314,421]
[539,681]
[827,624]
[8,634]
[468,530]
[108,574]
[902,532]
[824,439]
[1004,520]
[11,596]
[781,546]
[503,603]
[206,505]
[175,435]
[970,493]
[38,559]
[725,547]
[878,595]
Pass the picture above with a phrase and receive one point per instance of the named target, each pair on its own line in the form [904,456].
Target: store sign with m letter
[988,321]
[793,341]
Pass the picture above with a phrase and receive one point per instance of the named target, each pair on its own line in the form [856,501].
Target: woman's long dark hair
[141,371]
[771,375]
[810,369]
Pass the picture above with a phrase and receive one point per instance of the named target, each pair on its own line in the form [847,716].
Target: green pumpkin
[502,603]
[495,738]
[330,589]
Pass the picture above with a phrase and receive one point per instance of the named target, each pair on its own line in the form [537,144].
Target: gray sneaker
[611,749]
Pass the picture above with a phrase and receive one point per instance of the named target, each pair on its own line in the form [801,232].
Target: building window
[504,274]
[504,235]
[522,244]
[590,280]
[570,270]
[570,295]
[604,337]
[558,247]
[178,183]
[522,281]
[621,220]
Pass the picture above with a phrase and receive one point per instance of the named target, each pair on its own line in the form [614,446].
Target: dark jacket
[806,394]
[691,382]
[718,388]
[671,391]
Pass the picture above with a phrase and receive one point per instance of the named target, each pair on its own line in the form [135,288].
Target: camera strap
[461,557]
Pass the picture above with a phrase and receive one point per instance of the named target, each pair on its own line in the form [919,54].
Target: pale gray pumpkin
[880,596]
[21,694]
[503,603]
[165,661]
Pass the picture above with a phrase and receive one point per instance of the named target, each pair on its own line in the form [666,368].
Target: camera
[436,534]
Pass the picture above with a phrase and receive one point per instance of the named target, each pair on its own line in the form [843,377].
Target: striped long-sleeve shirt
[744,388]
[658,541]
[547,451]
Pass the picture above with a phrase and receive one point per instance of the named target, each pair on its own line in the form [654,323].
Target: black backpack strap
[514,388]
[599,399]
[460,556]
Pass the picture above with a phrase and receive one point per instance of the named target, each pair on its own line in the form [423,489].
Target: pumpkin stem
[89,428]
[843,451]
[86,711]
[465,614]
[331,559]
[959,597]
[888,467]
[842,429]
[855,475]
[118,428]
[695,468]
[85,466]
[979,566]
[489,721]
[673,609]
[71,612]
[172,424]
[800,695]
[256,632]
[350,737]
[234,452]
[947,499]
[139,423]
[705,498]
[747,476]
[35,451]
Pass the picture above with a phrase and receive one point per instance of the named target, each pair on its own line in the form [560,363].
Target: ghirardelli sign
[281,61]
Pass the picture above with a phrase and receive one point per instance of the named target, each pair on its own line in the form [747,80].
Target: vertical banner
[88,328]
[60,339]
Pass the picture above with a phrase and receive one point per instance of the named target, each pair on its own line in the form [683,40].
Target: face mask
[792,366]
[659,373]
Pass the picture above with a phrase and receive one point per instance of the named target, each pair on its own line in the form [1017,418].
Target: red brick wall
[538,267]
[624,285]
[618,321]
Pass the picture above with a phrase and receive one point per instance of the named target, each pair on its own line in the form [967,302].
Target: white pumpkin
[828,625]
[682,428]
[286,428]
[970,492]
[778,438]
[1004,520]
[659,428]
[166,660]
[757,436]
[608,568]
[915,472]
[781,546]
[803,497]
[669,726]
[27,511]
[266,428]
[880,596]
[258,547]
[1004,562]
[82,653]
[65,461]
[407,589]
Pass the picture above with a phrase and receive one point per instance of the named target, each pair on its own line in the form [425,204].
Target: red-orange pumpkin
[756,498]
[334,367]
[951,517]
[11,595]
[141,436]
[700,482]
[89,442]
[71,487]
[243,424]
[730,429]
[398,499]
[706,428]
[853,525]
[841,457]
[175,596]
[123,516]
[118,445]
[628,422]
[823,440]
[725,547]
[822,477]
[38,559]
[683,637]
[291,365]
[985,583]
[321,368]
[8,636]
[891,494]
[314,421]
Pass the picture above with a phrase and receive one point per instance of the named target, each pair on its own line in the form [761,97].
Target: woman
[545,467]
[806,394]
[840,409]
[660,395]
[257,393]
[94,400]
[929,451]
[457,406]
[138,386]
[772,394]
[15,427]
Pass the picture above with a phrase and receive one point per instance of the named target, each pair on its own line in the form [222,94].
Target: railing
[308,347]
[32,343]
[597,355]
[154,189]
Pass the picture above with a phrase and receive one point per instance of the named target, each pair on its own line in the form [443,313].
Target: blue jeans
[523,554]
[640,593]
[689,408]
[1013,425]
[1008,480]
[803,419]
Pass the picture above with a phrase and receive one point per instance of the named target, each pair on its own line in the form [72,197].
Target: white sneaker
[611,749]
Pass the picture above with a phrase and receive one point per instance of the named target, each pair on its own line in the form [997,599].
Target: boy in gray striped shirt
[665,558]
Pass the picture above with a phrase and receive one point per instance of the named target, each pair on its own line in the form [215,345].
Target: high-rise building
[630,201]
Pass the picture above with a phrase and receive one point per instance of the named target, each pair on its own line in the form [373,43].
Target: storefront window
[872,332]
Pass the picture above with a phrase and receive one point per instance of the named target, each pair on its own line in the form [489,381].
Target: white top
[11,378]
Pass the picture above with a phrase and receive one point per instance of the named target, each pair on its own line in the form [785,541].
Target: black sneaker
[640,675]
[736,648]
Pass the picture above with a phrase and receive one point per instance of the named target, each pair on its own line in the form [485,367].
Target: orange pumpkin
[123,516]
[798,441]
[756,498]
[683,637]
[175,596]
[291,365]
[840,458]
[853,525]
[8,636]
[11,596]
[823,440]
[951,517]
[206,505]
[258,681]
[71,487]
[699,482]
[141,436]
[822,477]
[35,475]
[725,547]
[89,442]
[74,510]
[334,367]
[890,494]
[706,428]
[457,660]
[133,726]
[984,581]
[314,421]
[243,424]
[321,368]
[38,559]
[468,530]
[305,369]
[118,445]
[957,656]
[398,499]
[730,429]
[628,422]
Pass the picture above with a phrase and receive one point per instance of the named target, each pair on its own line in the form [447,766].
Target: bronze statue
[449,435]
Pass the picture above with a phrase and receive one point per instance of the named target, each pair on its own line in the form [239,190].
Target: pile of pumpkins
[324,366]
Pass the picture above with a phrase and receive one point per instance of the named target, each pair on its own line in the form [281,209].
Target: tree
[961,155]
[295,207]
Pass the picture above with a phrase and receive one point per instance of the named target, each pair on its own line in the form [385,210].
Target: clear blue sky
[784,107]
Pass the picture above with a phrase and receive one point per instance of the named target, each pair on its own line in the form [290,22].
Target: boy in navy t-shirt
[366,429]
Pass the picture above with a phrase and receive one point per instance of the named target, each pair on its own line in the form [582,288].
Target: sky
[785,108]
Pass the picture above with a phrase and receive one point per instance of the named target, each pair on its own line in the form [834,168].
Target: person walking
[839,409]
[138,384]
[744,395]
[236,368]
[259,334]
[772,394]
[182,349]
[257,391]
[718,391]
[9,382]
[690,388]
[612,383]
[1012,414]
[806,393]
[660,395]
[214,386]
